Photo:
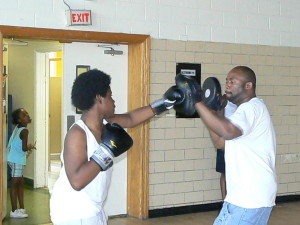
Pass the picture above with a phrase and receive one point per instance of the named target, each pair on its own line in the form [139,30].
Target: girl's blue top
[14,147]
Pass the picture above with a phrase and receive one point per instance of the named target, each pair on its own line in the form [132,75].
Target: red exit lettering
[80,17]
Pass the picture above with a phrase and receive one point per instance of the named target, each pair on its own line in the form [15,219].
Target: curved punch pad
[185,85]
[211,90]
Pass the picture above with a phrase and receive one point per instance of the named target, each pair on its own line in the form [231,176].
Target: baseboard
[207,207]
[118,216]
[28,182]
[287,198]
[184,209]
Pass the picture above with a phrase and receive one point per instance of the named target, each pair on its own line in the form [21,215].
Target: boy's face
[109,104]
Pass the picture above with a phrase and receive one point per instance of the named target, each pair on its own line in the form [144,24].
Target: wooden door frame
[1,131]
[138,95]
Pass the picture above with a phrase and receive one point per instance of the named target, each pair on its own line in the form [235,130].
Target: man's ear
[249,85]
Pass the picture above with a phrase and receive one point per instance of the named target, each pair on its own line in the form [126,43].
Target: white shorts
[100,219]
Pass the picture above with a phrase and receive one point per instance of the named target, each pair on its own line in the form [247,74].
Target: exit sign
[79,17]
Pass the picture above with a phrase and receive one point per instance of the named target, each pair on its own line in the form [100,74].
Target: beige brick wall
[182,157]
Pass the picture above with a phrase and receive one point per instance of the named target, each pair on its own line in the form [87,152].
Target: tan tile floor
[282,214]
[37,206]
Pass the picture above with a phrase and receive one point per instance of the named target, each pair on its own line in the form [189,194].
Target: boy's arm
[132,118]
[139,115]
[79,170]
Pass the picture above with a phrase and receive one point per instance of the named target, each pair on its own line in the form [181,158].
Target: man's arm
[219,142]
[218,125]
[132,118]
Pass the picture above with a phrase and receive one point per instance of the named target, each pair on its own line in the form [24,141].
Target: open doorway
[48,111]
[55,116]
[21,90]
[138,72]
[28,80]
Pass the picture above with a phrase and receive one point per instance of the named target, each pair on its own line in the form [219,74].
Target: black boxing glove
[115,141]
[191,94]
[197,92]
[172,96]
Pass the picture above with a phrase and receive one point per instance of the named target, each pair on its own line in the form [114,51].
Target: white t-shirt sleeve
[230,108]
[244,118]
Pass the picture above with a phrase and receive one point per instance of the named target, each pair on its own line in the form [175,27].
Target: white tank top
[67,204]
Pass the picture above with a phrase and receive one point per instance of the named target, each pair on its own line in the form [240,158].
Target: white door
[5,142]
[41,117]
[89,54]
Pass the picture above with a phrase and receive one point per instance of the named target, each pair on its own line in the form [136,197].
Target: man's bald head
[247,73]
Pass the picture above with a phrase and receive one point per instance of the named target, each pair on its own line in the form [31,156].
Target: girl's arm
[79,170]
[24,137]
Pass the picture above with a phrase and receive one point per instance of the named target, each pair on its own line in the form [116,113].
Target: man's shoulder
[254,101]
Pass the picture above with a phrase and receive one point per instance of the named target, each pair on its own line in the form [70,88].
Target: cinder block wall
[264,22]
[182,156]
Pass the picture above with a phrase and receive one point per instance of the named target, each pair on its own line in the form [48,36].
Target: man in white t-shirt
[249,141]
[229,109]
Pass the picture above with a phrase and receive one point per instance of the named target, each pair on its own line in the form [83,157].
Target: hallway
[37,206]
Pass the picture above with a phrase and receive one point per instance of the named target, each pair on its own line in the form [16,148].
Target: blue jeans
[234,215]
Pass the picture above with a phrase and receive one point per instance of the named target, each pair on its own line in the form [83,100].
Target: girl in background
[18,149]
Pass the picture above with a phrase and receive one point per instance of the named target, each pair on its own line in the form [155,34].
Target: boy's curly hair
[87,85]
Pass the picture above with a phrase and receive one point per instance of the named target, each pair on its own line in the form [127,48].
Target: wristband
[158,106]
[103,157]
[162,105]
